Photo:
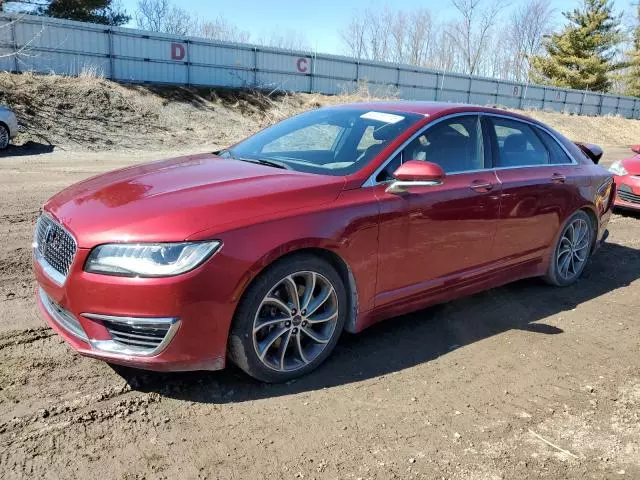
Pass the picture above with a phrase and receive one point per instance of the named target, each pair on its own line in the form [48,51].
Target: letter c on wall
[302,64]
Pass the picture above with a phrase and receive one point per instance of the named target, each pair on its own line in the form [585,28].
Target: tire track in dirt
[21,217]
[22,337]
[40,437]
[16,277]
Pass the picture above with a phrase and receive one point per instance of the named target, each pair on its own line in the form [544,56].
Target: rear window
[558,155]
[518,144]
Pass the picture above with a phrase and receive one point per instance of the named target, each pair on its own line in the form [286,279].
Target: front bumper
[98,316]
[627,192]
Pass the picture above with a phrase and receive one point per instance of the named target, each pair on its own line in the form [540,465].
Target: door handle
[481,186]
[558,178]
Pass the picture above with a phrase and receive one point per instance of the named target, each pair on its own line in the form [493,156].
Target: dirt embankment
[89,113]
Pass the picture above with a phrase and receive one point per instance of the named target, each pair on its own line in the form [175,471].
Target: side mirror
[416,173]
[635,148]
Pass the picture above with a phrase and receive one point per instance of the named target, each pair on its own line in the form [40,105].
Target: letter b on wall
[177,51]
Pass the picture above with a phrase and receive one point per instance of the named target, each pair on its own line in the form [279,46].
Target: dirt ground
[520,382]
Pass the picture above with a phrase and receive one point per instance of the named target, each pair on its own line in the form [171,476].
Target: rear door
[539,182]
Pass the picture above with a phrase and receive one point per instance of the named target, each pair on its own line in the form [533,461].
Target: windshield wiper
[273,163]
[262,161]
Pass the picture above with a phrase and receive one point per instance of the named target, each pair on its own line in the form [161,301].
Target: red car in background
[332,220]
[626,174]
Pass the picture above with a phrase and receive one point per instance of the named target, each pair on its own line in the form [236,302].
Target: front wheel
[572,251]
[289,320]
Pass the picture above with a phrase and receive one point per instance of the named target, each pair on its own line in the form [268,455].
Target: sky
[320,20]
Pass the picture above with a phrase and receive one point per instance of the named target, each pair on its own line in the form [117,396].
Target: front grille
[135,335]
[55,248]
[627,195]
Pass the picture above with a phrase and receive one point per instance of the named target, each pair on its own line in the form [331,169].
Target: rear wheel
[572,251]
[289,320]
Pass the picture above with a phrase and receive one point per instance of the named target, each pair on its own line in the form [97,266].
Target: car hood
[632,165]
[173,199]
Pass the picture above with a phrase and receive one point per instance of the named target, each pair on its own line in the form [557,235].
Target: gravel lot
[479,388]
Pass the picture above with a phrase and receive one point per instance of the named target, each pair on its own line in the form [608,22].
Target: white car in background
[8,126]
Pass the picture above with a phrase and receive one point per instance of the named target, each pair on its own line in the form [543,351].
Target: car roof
[429,108]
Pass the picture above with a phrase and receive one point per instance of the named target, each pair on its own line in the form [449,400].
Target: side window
[558,155]
[321,137]
[518,144]
[455,144]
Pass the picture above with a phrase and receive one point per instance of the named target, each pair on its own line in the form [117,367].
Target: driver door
[433,236]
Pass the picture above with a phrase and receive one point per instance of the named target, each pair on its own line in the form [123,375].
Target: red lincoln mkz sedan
[334,219]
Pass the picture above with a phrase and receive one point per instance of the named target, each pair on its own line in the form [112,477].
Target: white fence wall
[47,45]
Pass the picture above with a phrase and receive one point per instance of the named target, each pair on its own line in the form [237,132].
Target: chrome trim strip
[62,317]
[111,346]
[371,181]
[403,186]
[57,278]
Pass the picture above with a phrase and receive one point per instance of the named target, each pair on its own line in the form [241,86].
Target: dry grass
[608,130]
[89,112]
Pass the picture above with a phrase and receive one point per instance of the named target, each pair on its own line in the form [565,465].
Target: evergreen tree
[633,73]
[582,55]
[105,12]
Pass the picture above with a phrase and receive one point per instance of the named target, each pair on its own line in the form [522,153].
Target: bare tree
[388,35]
[444,55]
[420,37]
[287,40]
[353,36]
[470,33]
[527,26]
[378,33]
[399,40]
[162,16]
[222,29]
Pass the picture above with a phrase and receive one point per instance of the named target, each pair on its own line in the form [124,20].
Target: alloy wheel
[295,321]
[573,250]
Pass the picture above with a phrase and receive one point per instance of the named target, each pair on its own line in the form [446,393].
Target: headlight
[149,259]
[617,169]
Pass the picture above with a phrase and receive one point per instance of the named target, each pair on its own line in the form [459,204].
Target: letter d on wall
[177,51]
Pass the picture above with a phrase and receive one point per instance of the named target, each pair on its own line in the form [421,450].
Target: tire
[4,137]
[273,337]
[572,250]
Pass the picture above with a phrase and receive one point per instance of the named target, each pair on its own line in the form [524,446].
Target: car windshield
[326,141]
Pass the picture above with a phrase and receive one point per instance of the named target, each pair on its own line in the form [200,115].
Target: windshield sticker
[382,117]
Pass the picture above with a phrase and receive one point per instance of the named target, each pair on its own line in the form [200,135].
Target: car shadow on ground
[627,212]
[27,149]
[413,339]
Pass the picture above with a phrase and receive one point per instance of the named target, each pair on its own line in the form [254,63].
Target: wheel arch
[328,255]
[591,213]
